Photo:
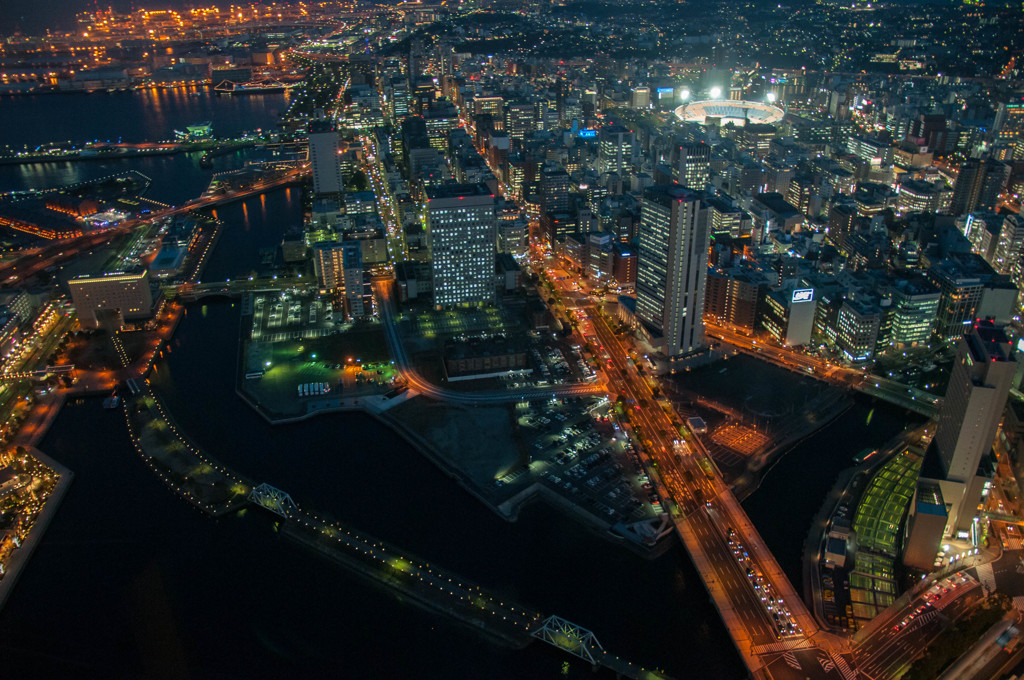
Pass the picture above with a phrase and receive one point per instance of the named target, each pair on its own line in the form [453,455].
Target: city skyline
[523,315]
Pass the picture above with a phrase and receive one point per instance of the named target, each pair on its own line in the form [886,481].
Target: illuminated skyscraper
[462,223]
[323,156]
[672,268]
[691,165]
[615,150]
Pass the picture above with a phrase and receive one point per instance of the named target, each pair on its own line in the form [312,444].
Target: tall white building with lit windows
[462,226]
[672,268]
[324,158]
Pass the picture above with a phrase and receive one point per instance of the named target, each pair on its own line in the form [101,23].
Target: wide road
[888,651]
[385,303]
[879,387]
[705,529]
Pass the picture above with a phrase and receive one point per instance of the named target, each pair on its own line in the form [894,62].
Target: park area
[284,376]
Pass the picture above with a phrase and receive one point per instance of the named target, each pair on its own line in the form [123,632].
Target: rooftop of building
[929,499]
[457,191]
[495,345]
[962,268]
[988,342]
[777,203]
[671,192]
[507,263]
[921,187]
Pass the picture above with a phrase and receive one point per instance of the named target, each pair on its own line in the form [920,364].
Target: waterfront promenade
[31,432]
[20,557]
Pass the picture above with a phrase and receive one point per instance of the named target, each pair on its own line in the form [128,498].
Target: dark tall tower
[975,399]
[978,185]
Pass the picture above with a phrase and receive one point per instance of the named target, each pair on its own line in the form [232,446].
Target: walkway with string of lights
[435,588]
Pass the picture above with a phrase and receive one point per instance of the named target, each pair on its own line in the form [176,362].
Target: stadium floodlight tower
[715,92]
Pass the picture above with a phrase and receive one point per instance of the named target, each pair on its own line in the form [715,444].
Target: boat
[253,86]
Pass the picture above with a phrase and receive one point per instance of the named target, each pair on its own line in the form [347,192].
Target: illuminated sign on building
[803,295]
[588,133]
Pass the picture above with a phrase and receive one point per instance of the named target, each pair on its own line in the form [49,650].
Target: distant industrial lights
[716,92]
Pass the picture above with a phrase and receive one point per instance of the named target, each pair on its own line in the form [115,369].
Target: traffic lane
[732,512]
[737,591]
[1004,663]
[951,609]
[894,649]
[737,586]
[668,460]
[740,592]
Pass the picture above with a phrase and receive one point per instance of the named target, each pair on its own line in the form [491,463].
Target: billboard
[803,295]
[588,133]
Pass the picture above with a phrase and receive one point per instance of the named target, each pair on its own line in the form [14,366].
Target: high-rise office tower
[356,279]
[960,286]
[554,190]
[1010,247]
[975,399]
[672,268]
[691,165]
[615,150]
[328,264]
[340,269]
[1009,123]
[520,120]
[463,227]
[323,156]
[641,97]
[978,185]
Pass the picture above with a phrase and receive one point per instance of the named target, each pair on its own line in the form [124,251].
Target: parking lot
[552,363]
[579,452]
[292,316]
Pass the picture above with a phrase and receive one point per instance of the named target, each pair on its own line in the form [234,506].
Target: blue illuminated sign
[803,295]
[588,133]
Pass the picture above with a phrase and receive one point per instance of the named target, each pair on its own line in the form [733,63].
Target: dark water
[135,116]
[249,226]
[792,492]
[145,115]
[175,178]
[161,584]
